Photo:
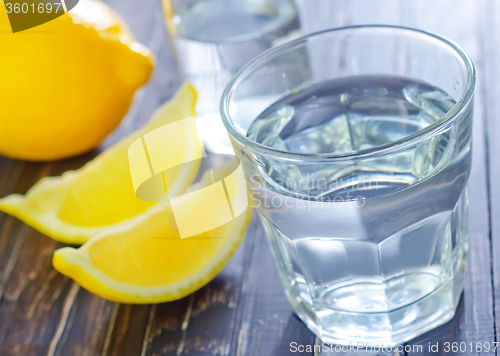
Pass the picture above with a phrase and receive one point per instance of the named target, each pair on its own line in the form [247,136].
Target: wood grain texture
[38,301]
[490,42]
[126,331]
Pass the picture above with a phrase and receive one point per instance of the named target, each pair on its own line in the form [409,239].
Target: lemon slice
[100,196]
[149,262]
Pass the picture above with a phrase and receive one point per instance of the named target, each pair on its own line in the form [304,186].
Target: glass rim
[383,149]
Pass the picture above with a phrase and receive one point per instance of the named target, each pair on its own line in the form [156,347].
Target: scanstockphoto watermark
[465,348]
[355,347]
[263,199]
[311,192]
[304,182]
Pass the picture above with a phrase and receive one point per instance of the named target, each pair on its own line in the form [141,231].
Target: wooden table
[244,310]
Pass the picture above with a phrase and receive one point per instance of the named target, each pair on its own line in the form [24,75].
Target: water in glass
[374,245]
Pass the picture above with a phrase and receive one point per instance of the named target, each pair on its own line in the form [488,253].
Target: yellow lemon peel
[148,262]
[67,83]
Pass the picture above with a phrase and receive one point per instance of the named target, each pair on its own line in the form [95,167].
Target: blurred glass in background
[213,39]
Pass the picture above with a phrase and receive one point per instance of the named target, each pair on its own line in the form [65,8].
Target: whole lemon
[66,84]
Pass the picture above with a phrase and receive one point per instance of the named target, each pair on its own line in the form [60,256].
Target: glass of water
[213,39]
[356,147]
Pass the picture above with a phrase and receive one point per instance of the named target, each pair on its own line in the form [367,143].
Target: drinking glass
[356,148]
[213,39]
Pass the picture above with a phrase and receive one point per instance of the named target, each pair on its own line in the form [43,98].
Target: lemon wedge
[98,197]
[148,262]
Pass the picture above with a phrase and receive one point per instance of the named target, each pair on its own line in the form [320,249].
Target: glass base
[382,308]
[382,329]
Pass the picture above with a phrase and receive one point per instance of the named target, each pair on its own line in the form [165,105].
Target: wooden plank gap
[111,327]
[242,340]
[148,330]
[41,293]
[185,324]
[68,303]
[481,39]
[14,255]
